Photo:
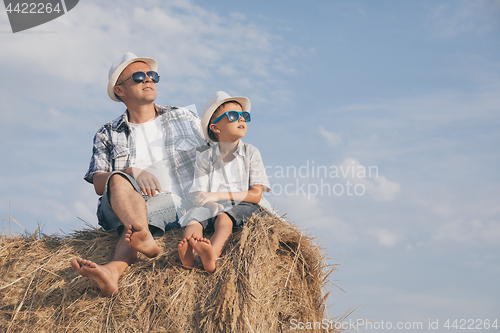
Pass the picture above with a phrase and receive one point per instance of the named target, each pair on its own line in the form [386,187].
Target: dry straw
[270,273]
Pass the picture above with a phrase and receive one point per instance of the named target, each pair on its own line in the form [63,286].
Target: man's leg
[130,207]
[132,214]
[107,276]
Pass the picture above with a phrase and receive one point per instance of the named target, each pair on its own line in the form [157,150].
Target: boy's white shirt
[245,170]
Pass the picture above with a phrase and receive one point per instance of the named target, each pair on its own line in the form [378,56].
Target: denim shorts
[162,209]
[238,214]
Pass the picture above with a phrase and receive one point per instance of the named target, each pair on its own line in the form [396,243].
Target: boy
[229,180]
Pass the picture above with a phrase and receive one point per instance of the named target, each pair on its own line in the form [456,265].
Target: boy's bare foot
[203,247]
[140,239]
[186,253]
[100,274]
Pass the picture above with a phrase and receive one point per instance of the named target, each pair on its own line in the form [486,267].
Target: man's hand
[147,181]
[203,197]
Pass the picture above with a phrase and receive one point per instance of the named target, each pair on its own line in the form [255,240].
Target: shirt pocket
[120,155]
[185,144]
[185,151]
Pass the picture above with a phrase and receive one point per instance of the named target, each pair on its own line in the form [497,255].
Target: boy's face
[226,130]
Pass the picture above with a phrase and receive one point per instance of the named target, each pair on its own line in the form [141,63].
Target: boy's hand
[214,207]
[202,198]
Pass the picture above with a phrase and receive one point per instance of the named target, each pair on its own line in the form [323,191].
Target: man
[142,165]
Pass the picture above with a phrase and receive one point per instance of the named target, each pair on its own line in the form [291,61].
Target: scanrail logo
[26,15]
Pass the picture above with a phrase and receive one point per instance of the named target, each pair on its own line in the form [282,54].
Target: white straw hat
[213,103]
[120,65]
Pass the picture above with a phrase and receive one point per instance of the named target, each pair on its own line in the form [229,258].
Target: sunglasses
[233,116]
[139,77]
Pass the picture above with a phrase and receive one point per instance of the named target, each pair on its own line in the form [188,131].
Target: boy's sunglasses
[233,116]
[139,77]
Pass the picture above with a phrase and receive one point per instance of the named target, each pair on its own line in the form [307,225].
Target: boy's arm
[253,195]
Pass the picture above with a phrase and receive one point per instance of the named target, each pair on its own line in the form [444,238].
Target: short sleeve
[257,172]
[101,157]
[201,180]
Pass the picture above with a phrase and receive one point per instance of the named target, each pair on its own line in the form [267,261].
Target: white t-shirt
[151,153]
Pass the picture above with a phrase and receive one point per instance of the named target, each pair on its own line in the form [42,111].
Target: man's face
[132,92]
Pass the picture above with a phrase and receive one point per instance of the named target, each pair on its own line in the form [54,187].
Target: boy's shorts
[238,214]
[161,209]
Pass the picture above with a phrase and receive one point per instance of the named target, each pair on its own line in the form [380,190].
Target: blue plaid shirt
[114,147]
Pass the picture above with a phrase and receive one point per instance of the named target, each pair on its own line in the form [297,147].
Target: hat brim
[245,104]
[153,65]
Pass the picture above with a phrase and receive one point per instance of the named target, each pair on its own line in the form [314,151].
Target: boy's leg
[210,250]
[223,230]
[186,253]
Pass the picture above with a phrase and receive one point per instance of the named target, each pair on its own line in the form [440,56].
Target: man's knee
[118,182]
[118,179]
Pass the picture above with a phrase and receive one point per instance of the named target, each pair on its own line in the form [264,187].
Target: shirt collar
[123,119]
[216,152]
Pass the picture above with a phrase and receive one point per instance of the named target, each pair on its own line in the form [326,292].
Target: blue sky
[408,88]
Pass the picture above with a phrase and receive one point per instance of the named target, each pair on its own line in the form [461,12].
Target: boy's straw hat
[118,67]
[213,103]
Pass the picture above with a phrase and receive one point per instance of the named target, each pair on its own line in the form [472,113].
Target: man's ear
[118,90]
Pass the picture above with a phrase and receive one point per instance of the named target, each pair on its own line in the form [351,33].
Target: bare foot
[100,274]
[203,247]
[186,253]
[140,239]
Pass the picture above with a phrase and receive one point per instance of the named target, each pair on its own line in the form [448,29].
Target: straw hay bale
[271,272]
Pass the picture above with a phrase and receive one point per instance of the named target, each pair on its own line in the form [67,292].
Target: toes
[75,264]
[137,227]
[88,263]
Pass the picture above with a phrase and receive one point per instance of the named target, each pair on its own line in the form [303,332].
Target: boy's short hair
[211,134]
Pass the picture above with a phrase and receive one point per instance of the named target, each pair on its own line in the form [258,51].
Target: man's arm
[253,195]
[99,180]
[147,181]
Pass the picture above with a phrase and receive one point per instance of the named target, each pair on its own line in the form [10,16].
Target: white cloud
[411,115]
[311,213]
[368,178]
[456,18]
[385,237]
[332,139]
[189,42]
[442,207]
[475,232]
[83,211]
